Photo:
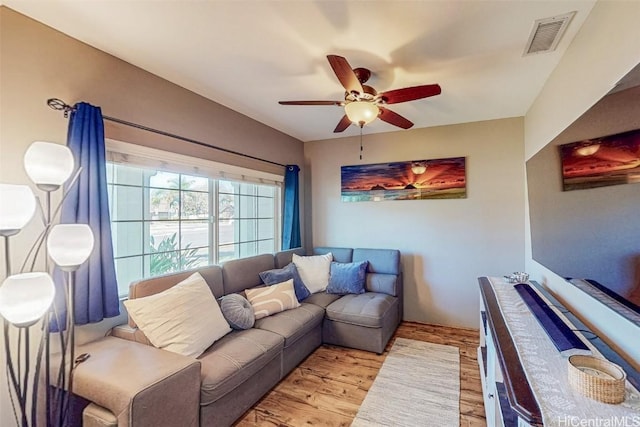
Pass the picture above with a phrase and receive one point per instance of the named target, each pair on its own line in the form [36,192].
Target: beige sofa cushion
[235,358]
[368,309]
[322,299]
[293,324]
[153,285]
[185,319]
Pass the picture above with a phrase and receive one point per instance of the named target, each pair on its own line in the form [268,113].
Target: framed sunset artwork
[409,180]
[610,160]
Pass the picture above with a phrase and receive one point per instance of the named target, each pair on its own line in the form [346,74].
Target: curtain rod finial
[58,104]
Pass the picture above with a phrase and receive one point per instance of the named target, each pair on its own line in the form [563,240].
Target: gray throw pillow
[237,310]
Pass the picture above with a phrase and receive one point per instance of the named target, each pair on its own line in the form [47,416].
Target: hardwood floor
[329,386]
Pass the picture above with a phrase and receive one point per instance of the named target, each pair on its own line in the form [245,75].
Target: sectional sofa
[126,381]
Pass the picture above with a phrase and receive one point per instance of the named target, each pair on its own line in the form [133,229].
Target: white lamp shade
[17,206]
[48,163]
[70,245]
[361,112]
[26,297]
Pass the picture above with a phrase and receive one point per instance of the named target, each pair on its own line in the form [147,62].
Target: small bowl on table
[517,277]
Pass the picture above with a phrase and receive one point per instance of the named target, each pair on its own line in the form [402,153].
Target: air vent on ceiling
[546,34]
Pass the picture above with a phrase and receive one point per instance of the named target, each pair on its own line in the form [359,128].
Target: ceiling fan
[362,103]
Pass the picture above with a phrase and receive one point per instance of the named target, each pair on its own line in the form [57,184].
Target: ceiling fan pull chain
[360,142]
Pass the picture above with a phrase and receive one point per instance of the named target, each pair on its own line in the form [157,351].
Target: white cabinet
[508,396]
[491,376]
[508,401]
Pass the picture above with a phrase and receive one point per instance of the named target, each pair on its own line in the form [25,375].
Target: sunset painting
[411,180]
[610,160]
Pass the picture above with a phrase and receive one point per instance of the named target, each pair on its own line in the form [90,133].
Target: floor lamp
[69,246]
[26,297]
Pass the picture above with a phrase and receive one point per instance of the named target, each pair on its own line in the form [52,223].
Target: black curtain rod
[60,105]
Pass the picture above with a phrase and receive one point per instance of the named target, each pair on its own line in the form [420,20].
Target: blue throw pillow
[272,277]
[347,278]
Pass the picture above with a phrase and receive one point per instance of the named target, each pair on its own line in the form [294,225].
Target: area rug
[418,385]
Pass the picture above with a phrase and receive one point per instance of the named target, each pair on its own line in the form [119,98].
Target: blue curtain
[291,210]
[96,295]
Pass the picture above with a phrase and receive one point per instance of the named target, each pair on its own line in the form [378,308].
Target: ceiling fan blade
[345,74]
[410,93]
[394,118]
[344,123]
[338,103]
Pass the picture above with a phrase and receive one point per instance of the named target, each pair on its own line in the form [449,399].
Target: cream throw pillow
[185,319]
[314,270]
[268,300]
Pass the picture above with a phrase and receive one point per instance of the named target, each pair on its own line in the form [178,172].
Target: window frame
[145,158]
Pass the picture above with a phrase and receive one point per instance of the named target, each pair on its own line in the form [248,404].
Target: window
[246,224]
[165,221]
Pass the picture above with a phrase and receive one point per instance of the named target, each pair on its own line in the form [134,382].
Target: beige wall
[39,63]
[605,49]
[445,244]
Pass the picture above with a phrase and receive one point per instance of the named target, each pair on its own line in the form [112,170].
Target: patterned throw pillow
[271,277]
[268,300]
[347,278]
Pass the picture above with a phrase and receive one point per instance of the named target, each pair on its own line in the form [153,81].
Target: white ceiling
[249,54]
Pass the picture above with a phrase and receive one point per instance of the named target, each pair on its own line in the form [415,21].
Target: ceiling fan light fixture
[362,103]
[361,112]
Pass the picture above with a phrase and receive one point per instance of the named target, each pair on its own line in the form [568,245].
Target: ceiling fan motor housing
[362,74]
[368,94]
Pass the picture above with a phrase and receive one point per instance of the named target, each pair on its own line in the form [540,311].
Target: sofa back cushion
[283,258]
[154,285]
[243,273]
[382,283]
[339,254]
[384,272]
[385,261]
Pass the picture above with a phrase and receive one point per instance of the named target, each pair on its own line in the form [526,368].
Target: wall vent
[546,34]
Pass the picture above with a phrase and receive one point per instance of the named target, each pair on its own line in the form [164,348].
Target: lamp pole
[7,261]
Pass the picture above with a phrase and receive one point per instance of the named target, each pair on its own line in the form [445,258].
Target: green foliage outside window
[168,258]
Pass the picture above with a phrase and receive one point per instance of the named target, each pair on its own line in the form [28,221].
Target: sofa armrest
[139,384]
[129,333]
[97,416]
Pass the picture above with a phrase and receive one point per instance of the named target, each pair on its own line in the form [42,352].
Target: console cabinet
[508,398]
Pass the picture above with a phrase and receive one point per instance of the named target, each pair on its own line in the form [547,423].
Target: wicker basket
[597,378]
